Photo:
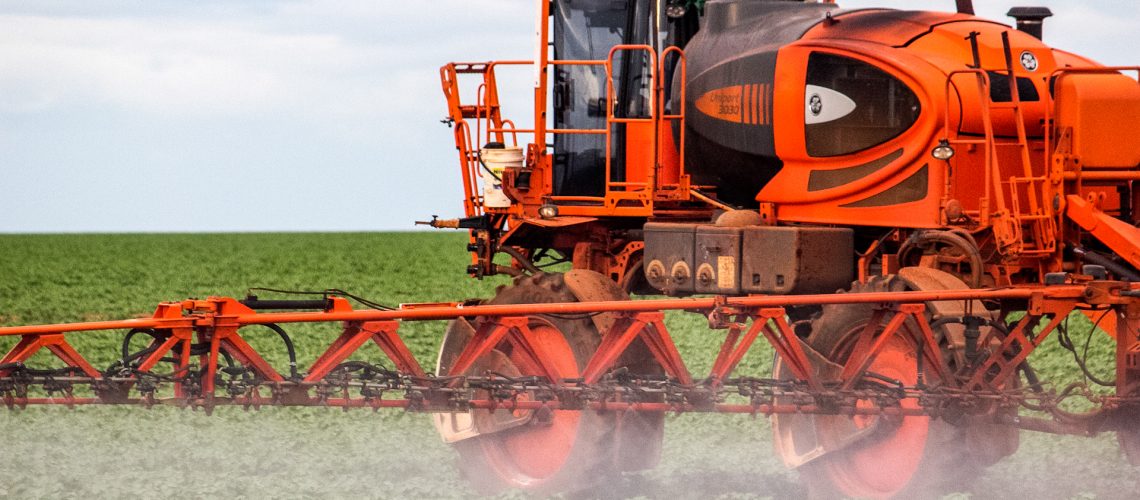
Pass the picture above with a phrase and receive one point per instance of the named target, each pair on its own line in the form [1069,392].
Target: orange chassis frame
[217,322]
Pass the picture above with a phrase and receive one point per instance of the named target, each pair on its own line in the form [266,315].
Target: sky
[290,115]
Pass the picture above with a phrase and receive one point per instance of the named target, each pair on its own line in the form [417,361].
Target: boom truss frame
[199,379]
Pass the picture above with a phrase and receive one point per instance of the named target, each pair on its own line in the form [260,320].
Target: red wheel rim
[883,464]
[531,454]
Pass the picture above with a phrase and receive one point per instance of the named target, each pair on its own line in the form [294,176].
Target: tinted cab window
[851,106]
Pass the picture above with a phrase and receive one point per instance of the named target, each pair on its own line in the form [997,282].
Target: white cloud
[164,67]
[137,115]
[301,58]
[1107,34]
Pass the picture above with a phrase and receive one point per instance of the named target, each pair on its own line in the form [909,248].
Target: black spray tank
[731,72]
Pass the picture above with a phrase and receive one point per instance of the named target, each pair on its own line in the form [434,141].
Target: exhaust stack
[1030,19]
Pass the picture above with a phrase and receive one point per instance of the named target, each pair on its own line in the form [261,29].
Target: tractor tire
[573,450]
[951,454]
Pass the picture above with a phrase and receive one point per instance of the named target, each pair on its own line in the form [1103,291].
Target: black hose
[368,368]
[1066,341]
[1111,265]
[134,357]
[288,347]
[331,291]
[1030,373]
[508,270]
[479,157]
[126,347]
[920,241]
[518,256]
[225,355]
[1030,376]
[256,304]
[199,349]
[1085,353]
[37,372]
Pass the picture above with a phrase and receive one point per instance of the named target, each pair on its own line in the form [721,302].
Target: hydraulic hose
[288,347]
[1100,260]
[518,256]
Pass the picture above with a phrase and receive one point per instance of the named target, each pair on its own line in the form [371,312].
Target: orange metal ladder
[1039,217]
[1026,225]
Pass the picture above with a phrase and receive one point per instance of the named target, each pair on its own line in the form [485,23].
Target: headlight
[943,151]
[548,211]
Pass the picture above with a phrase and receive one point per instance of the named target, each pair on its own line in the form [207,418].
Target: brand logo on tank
[825,105]
[1028,61]
[745,104]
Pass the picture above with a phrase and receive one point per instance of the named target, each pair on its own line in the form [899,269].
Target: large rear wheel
[891,456]
[543,451]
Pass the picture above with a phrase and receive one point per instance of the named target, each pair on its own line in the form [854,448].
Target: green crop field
[167,452]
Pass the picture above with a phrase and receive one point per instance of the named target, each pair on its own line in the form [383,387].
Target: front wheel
[543,451]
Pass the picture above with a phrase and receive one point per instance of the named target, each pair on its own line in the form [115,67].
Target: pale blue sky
[257,115]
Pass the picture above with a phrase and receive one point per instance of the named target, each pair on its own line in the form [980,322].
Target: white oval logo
[824,105]
[1028,61]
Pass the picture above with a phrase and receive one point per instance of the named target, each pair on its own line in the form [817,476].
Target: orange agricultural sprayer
[903,205]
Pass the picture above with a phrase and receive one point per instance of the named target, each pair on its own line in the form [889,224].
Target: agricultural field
[309,452]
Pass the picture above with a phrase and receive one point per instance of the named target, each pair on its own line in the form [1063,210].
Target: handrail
[486,109]
[577,62]
[598,199]
[611,99]
[490,126]
[682,63]
[992,188]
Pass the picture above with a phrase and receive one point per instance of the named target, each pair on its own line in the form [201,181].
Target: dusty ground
[296,453]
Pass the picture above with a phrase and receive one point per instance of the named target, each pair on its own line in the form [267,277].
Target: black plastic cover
[737,47]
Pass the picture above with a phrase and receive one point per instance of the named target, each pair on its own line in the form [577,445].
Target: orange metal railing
[482,122]
[486,115]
